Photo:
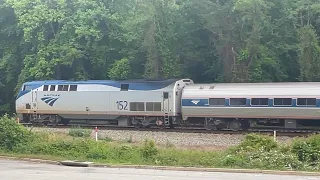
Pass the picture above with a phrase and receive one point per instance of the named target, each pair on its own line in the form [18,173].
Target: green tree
[120,70]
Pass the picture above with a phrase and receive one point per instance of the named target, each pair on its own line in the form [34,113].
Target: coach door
[165,102]
[34,99]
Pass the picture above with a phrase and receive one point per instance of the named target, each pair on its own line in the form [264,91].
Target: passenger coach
[241,105]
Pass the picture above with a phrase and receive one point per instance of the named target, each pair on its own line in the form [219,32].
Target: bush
[234,160]
[79,132]
[13,134]
[259,151]
[274,159]
[307,149]
[63,148]
[99,151]
[255,142]
[128,154]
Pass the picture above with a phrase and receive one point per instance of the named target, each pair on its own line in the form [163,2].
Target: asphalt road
[20,170]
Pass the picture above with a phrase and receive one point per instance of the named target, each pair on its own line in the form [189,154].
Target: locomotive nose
[18,106]
[21,106]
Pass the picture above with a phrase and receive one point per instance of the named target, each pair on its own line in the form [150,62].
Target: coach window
[259,101]
[73,87]
[306,101]
[45,88]
[60,87]
[65,87]
[237,101]
[52,87]
[216,101]
[282,101]
[124,87]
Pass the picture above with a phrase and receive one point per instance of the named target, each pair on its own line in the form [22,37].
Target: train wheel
[209,124]
[235,125]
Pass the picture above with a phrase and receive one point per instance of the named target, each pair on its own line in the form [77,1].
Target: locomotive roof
[106,82]
[138,84]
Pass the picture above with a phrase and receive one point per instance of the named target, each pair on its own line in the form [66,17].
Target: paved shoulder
[17,170]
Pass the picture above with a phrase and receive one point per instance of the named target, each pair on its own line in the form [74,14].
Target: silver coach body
[202,100]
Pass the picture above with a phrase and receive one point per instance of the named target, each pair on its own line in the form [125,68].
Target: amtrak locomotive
[169,103]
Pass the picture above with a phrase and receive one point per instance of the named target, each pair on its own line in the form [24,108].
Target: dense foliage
[12,134]
[206,40]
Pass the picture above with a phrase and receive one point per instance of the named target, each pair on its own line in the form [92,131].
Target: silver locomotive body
[125,102]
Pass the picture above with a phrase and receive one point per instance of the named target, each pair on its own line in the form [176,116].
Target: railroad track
[279,132]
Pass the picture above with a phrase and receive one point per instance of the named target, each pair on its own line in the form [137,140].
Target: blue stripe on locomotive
[205,103]
[133,84]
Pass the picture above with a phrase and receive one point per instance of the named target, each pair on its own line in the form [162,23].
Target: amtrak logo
[195,102]
[50,99]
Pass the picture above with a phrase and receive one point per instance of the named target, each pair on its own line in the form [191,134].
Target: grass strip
[254,152]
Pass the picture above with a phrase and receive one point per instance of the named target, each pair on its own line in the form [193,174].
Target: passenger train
[170,103]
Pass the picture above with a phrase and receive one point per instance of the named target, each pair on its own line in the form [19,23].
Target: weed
[169,144]
[108,139]
[149,149]
[130,140]
[76,131]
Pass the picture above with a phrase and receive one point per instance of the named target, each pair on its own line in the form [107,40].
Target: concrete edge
[172,168]
[31,160]
[168,168]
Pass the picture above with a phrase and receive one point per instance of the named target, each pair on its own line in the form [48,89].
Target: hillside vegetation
[206,40]
[256,151]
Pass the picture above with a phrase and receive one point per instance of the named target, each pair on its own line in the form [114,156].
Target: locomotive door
[165,103]
[34,99]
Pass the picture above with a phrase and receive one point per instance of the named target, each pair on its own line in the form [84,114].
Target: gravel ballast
[174,138]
